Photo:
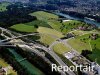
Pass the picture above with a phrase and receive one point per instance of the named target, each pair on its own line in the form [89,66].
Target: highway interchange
[17,41]
[24,46]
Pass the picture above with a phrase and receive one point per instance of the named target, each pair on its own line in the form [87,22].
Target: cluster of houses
[2,71]
[5,70]
[89,27]
[78,60]
[94,36]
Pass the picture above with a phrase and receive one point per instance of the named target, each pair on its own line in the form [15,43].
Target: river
[30,67]
[76,18]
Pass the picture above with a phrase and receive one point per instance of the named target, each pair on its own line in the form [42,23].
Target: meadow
[41,15]
[60,48]
[23,28]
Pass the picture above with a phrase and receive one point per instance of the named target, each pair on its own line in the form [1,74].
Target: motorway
[48,50]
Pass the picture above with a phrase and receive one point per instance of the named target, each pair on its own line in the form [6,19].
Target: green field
[60,48]
[95,43]
[55,24]
[52,32]
[78,32]
[30,26]
[47,39]
[95,56]
[41,15]
[48,35]
[5,64]
[23,28]
[80,43]
[85,43]
[52,20]
[69,25]
[38,23]
[3,6]
[65,27]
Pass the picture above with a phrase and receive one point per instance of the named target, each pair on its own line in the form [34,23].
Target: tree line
[16,13]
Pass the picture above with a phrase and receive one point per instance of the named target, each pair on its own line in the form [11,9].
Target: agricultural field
[23,28]
[95,56]
[95,43]
[3,6]
[30,26]
[46,39]
[41,15]
[60,48]
[52,32]
[53,21]
[55,24]
[39,23]
[80,43]
[49,20]
[70,25]
[85,43]
[5,64]
[65,27]
[47,35]
[78,32]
